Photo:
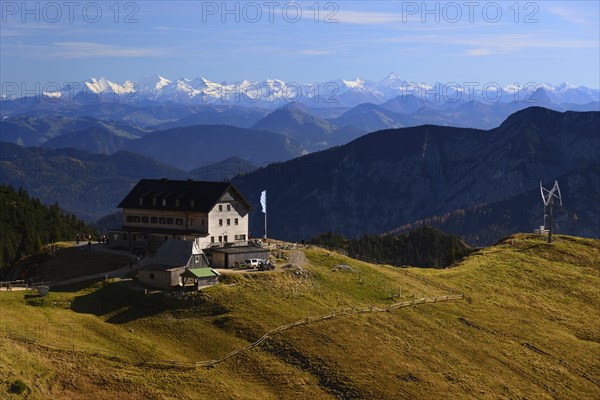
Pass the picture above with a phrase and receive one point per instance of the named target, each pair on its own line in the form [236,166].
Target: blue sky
[546,41]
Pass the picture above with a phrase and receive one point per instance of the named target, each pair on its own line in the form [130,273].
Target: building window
[164,202]
[170,221]
[176,202]
[228,222]
[197,259]
[124,236]
[240,237]
[162,220]
[220,207]
[192,203]
[116,236]
[220,222]
[228,207]
[154,202]
[144,220]
[153,220]
[235,221]
[178,221]
[136,219]
[141,201]
[220,239]
[129,218]
[151,276]
[212,239]
[225,238]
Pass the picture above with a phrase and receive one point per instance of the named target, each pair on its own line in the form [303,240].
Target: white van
[252,262]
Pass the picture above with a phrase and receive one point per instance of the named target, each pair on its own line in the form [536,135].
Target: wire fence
[212,363]
[21,284]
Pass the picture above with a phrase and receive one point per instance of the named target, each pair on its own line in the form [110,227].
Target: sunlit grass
[529,328]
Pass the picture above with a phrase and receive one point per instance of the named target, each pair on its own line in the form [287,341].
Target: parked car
[252,262]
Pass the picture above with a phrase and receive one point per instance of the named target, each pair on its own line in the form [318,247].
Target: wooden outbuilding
[200,277]
[229,257]
[170,261]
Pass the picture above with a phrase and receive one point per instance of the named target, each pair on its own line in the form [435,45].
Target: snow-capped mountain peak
[275,92]
[358,83]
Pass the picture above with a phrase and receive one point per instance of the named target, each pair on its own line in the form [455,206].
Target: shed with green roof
[200,277]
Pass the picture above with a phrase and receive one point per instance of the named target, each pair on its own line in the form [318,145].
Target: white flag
[263,201]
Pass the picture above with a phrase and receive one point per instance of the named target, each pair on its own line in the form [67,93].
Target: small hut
[200,277]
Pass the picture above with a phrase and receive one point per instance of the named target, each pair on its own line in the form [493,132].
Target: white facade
[227,222]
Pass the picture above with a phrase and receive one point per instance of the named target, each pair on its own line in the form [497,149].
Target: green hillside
[527,328]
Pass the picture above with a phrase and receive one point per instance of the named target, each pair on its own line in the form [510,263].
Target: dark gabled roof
[204,195]
[160,267]
[174,253]
[164,231]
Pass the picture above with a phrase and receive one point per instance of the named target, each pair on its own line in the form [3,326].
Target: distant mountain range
[485,223]
[272,93]
[195,146]
[111,127]
[87,184]
[481,184]
[188,147]
[313,132]
[91,185]
[391,178]
[243,117]
[27,130]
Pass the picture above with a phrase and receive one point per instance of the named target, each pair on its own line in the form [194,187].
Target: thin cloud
[478,52]
[14,30]
[367,18]
[185,30]
[574,16]
[93,50]
[494,44]
[314,52]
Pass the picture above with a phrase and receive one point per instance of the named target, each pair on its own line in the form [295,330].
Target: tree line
[424,247]
[27,225]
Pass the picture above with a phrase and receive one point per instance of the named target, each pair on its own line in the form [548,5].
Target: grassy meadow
[527,328]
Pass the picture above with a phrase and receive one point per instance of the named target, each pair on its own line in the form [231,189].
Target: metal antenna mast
[548,197]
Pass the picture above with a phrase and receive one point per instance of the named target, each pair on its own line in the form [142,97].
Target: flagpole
[265,223]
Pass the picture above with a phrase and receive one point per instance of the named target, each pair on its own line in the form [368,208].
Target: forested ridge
[26,225]
[423,247]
